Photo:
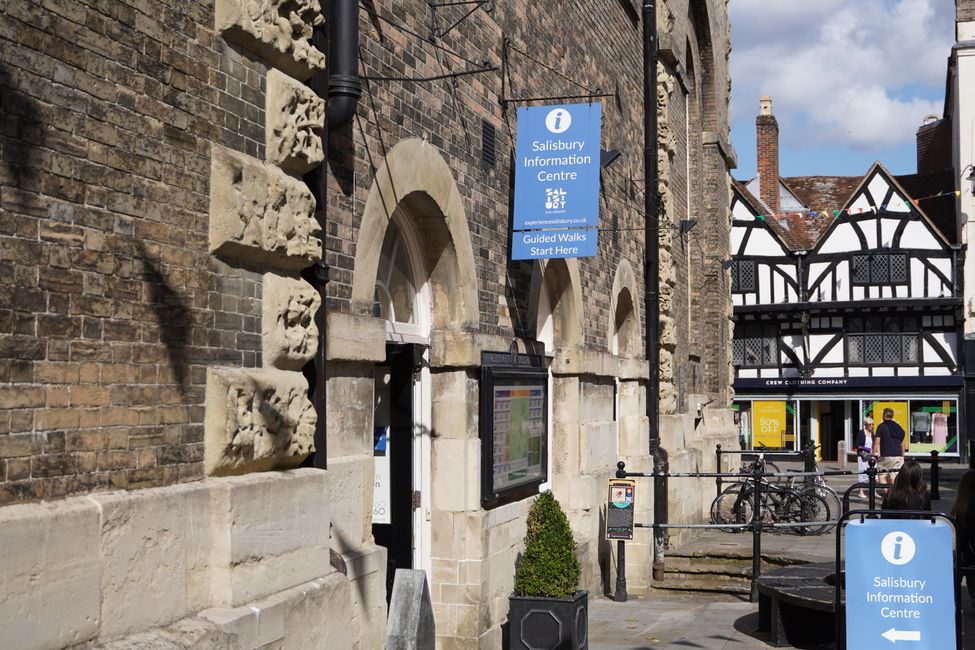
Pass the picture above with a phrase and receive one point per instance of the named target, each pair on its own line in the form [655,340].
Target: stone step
[714,566]
[703,584]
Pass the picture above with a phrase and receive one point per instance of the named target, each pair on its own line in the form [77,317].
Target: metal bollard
[809,457]
[935,476]
[757,527]
[872,481]
[717,479]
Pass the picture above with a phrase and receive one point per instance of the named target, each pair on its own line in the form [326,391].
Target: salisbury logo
[897,547]
[558,120]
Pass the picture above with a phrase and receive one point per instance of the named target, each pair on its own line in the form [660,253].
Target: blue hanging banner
[557,181]
[900,589]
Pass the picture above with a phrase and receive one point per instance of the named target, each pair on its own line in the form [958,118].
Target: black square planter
[548,623]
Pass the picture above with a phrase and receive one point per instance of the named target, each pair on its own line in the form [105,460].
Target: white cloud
[858,73]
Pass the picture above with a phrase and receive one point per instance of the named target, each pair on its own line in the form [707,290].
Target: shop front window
[767,424]
[930,424]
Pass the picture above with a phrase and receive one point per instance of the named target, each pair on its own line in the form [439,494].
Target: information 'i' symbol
[897,547]
[558,120]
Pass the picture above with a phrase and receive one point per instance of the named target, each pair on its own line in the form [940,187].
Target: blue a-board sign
[899,584]
[557,179]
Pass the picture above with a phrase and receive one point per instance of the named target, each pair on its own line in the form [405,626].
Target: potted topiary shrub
[547,611]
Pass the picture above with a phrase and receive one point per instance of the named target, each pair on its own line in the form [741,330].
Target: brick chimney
[767,142]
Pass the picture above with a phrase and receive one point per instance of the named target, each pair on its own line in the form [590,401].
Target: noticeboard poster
[619,509]
[514,427]
[769,423]
[519,432]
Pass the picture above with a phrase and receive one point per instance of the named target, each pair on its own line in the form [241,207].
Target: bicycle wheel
[806,507]
[830,496]
[727,508]
[772,468]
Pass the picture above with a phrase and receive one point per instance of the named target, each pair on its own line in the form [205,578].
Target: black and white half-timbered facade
[842,311]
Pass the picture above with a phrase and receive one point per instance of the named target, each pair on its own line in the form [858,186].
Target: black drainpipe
[344,85]
[651,280]
[341,87]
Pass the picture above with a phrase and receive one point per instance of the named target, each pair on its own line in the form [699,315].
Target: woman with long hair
[963,512]
[909,491]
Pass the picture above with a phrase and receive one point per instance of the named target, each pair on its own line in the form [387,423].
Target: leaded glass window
[879,268]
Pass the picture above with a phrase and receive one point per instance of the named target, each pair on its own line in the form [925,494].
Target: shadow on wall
[172,314]
[604,555]
[21,135]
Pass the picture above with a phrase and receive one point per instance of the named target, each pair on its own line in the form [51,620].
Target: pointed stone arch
[624,315]
[416,180]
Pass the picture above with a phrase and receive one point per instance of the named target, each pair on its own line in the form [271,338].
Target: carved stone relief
[256,420]
[666,151]
[260,214]
[290,336]
[295,119]
[277,30]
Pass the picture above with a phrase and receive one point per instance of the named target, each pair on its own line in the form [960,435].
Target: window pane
[854,324]
[872,324]
[861,269]
[753,352]
[879,271]
[892,349]
[746,275]
[892,323]
[769,349]
[909,324]
[873,349]
[910,349]
[898,268]
[737,352]
[854,349]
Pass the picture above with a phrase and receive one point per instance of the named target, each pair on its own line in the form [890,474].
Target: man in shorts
[888,446]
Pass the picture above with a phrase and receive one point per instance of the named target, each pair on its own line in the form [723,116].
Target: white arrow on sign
[894,635]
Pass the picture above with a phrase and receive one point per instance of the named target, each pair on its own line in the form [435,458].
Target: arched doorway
[415,270]
[401,415]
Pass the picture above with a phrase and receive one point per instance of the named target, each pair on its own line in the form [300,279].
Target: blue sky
[850,80]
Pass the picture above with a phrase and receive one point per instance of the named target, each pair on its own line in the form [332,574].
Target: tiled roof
[824,194]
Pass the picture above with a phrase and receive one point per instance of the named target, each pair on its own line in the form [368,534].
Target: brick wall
[934,146]
[110,305]
[767,146]
[964,10]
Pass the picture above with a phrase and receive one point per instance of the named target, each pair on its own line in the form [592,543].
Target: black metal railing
[757,477]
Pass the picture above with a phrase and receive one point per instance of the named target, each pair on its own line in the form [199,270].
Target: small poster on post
[619,510]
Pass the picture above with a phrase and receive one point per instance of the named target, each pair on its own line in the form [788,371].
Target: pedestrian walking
[888,445]
[863,444]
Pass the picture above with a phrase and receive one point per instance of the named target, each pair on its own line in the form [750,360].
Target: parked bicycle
[777,504]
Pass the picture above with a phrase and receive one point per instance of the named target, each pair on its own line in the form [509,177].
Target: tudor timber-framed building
[193,421]
[847,299]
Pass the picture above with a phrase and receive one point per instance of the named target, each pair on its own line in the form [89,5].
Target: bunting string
[851,211]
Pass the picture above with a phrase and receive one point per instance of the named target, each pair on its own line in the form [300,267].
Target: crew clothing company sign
[556,181]
[899,584]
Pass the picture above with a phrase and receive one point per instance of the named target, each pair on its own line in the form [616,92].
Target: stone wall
[156,327]
[111,307]
[220,562]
